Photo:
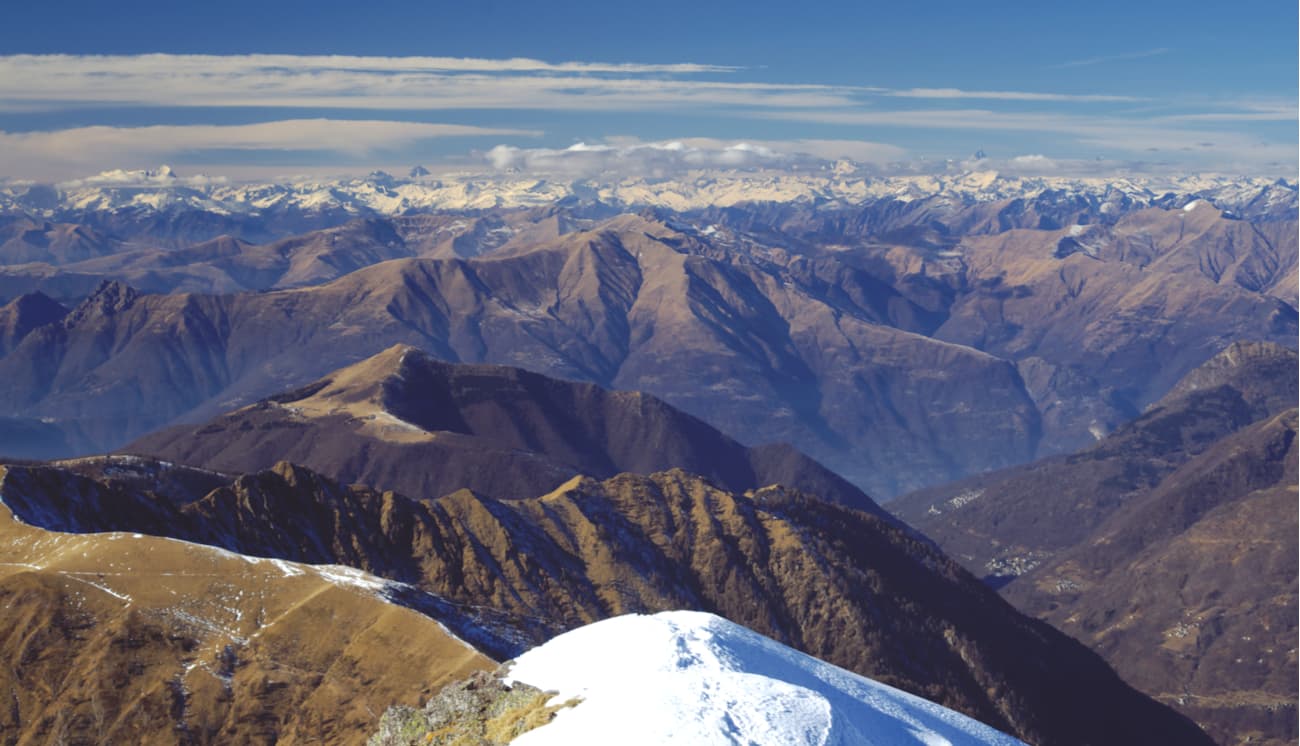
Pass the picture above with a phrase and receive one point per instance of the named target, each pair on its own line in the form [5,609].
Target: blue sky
[327,86]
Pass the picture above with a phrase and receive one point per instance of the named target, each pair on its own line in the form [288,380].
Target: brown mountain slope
[1004,523]
[25,240]
[1104,322]
[1190,590]
[228,264]
[402,420]
[843,585]
[1101,310]
[1199,238]
[869,357]
[1170,547]
[742,347]
[121,638]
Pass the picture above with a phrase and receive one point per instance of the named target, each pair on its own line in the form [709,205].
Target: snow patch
[392,420]
[289,569]
[691,677]
[350,576]
[100,586]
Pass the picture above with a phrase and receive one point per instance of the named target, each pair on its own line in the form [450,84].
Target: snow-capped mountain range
[379,193]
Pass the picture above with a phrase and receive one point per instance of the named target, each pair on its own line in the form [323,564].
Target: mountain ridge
[403,420]
[849,587]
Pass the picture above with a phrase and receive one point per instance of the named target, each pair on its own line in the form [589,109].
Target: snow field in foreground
[694,678]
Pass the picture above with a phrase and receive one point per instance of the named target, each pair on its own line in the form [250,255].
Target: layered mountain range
[897,363]
[1169,547]
[518,407]
[848,584]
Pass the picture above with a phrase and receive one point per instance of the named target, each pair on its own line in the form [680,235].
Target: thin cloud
[415,83]
[35,82]
[82,150]
[371,85]
[1243,111]
[956,93]
[190,63]
[1114,58]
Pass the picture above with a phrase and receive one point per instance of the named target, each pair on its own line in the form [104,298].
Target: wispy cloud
[956,93]
[1121,57]
[367,87]
[34,82]
[191,63]
[82,150]
[414,83]
[1252,110]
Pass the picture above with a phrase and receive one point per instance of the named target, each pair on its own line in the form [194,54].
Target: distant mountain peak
[108,298]
[37,302]
[362,391]
[500,430]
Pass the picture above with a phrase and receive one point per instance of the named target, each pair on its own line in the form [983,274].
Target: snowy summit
[695,678]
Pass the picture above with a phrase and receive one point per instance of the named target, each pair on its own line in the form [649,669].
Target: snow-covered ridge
[162,190]
[691,677]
